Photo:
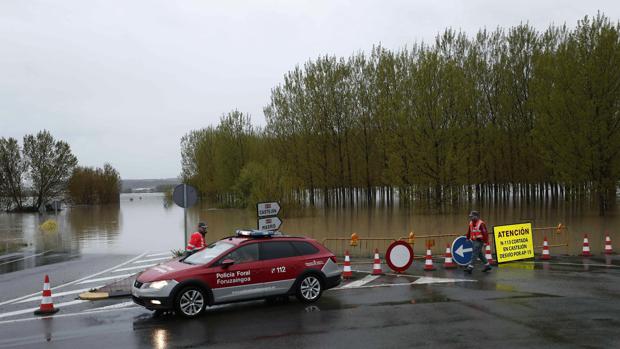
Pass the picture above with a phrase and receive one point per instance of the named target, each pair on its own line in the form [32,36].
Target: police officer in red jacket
[479,236]
[197,240]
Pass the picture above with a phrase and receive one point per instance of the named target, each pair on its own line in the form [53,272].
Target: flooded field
[144,222]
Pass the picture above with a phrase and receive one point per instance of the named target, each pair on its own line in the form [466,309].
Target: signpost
[185,196]
[399,256]
[462,250]
[267,213]
[513,242]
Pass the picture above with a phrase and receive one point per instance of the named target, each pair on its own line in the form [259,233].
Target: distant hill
[128,185]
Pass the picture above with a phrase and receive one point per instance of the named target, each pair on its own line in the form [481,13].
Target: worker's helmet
[474,215]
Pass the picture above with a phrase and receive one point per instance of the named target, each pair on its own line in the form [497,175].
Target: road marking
[159,254]
[362,282]
[30,310]
[116,306]
[133,268]
[21,259]
[431,280]
[105,278]
[152,260]
[60,294]
[85,312]
[75,281]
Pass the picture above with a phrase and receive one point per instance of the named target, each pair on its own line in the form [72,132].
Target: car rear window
[276,249]
[305,248]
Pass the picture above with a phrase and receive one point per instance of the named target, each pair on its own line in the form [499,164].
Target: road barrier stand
[448,263]
[488,255]
[428,262]
[545,252]
[47,303]
[354,239]
[376,266]
[346,271]
[585,250]
[608,248]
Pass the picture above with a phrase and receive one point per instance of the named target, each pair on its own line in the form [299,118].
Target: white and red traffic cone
[585,250]
[545,251]
[608,248]
[488,255]
[428,263]
[376,265]
[346,271]
[448,263]
[47,303]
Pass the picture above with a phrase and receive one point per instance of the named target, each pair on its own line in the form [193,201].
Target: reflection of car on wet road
[250,265]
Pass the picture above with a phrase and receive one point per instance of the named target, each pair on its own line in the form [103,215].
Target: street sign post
[462,250]
[185,196]
[267,213]
[399,256]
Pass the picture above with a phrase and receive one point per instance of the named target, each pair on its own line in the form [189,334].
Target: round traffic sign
[185,195]
[399,256]
[462,250]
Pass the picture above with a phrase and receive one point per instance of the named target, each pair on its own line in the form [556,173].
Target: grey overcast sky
[122,81]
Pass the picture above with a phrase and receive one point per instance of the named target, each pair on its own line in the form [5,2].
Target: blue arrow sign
[462,250]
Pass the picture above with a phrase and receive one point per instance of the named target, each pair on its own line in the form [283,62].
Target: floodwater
[143,222]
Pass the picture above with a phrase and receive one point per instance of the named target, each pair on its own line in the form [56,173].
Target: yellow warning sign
[513,242]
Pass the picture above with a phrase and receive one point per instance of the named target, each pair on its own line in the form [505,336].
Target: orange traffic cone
[428,263]
[376,266]
[47,304]
[545,252]
[346,271]
[585,250]
[488,255]
[608,248]
[448,263]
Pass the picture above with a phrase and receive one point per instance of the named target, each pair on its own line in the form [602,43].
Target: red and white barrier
[585,250]
[608,248]
[545,250]
[448,263]
[47,303]
[376,265]
[428,263]
[346,271]
[488,255]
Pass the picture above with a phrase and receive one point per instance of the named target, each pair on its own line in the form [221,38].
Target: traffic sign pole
[185,214]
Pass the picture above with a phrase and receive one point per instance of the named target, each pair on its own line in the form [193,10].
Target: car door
[241,280]
[279,266]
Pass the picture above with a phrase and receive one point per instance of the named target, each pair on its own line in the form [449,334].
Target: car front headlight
[158,285]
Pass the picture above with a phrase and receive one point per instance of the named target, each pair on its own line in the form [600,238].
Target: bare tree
[12,170]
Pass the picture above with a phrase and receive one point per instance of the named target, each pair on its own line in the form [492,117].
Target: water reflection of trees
[95,222]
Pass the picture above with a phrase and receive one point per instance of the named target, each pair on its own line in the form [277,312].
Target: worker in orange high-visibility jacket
[197,240]
[479,237]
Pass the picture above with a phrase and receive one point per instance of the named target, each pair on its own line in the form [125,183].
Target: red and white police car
[250,265]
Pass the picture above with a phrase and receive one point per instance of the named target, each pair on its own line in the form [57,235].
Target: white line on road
[21,259]
[159,254]
[118,305]
[59,294]
[30,310]
[134,268]
[105,278]
[86,312]
[431,280]
[152,260]
[362,282]
[75,281]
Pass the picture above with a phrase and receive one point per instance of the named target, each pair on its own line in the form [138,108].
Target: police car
[250,265]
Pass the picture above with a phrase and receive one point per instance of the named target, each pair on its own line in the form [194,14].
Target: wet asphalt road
[574,304]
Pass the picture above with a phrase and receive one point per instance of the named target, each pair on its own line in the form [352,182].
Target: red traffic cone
[428,263]
[346,271]
[448,263]
[585,250]
[376,266]
[608,248]
[488,255]
[545,251]
[47,304]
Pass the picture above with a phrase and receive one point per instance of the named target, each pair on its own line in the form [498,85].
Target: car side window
[305,248]
[276,249]
[244,254]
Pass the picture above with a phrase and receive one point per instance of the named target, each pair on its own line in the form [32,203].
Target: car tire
[309,288]
[190,302]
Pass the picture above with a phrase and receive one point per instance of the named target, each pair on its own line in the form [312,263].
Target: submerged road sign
[269,223]
[185,196]
[399,256]
[267,209]
[513,242]
[462,250]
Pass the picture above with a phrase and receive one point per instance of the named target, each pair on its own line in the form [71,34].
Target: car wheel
[190,302]
[309,289]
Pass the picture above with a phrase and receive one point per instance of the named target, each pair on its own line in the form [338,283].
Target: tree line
[40,170]
[508,114]
[91,186]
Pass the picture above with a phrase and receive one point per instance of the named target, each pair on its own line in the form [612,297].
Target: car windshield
[208,253]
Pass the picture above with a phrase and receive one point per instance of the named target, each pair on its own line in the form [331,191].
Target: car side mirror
[227,263]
